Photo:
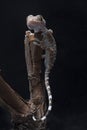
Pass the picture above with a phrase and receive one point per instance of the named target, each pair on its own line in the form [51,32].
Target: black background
[68,78]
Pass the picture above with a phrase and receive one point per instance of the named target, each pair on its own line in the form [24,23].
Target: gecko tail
[48,89]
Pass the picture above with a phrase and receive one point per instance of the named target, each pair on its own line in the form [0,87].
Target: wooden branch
[12,101]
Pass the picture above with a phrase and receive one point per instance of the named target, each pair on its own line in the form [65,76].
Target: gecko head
[36,23]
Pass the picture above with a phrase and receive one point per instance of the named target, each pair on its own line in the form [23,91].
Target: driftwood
[20,110]
[32,114]
[12,101]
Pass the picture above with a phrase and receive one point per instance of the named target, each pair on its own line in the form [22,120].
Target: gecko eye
[39,17]
[42,20]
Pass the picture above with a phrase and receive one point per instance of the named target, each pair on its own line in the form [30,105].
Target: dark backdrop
[68,78]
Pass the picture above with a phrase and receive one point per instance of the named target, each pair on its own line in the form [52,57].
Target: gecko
[38,39]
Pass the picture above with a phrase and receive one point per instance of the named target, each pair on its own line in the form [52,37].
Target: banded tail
[48,89]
